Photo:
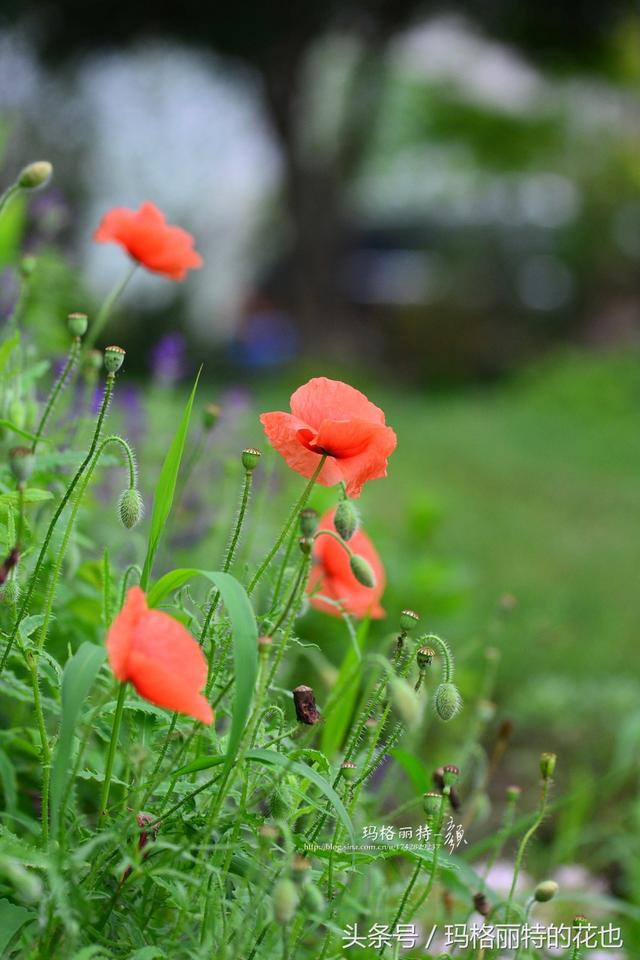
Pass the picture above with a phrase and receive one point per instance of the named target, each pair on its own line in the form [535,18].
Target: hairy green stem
[56,390]
[304,496]
[107,306]
[542,809]
[113,743]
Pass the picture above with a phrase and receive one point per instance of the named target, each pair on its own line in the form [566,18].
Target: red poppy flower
[330,417]
[159,656]
[331,575]
[148,238]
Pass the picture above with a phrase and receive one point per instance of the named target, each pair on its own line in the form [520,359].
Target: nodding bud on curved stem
[447,701]
[346,519]
[362,570]
[35,175]
[130,507]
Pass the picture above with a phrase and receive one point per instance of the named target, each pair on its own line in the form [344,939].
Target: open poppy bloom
[159,656]
[330,417]
[148,238]
[331,575]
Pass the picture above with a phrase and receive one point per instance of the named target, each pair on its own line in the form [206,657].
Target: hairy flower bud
[308,521]
[113,358]
[447,701]
[545,891]
[362,570]
[547,765]
[346,519]
[408,620]
[431,803]
[250,459]
[130,507]
[285,901]
[21,462]
[77,324]
[305,703]
[35,175]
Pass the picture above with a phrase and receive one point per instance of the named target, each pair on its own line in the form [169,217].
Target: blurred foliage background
[439,203]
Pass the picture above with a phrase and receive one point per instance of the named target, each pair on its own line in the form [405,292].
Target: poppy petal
[324,399]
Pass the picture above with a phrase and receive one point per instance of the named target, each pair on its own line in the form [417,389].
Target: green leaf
[7,348]
[166,486]
[147,953]
[245,641]
[12,919]
[8,425]
[30,496]
[273,758]
[414,769]
[336,721]
[78,677]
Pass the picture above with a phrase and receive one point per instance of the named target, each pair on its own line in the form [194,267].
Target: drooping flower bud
[362,570]
[408,620]
[10,591]
[250,459]
[447,701]
[308,521]
[130,507]
[35,175]
[285,901]
[424,656]
[431,803]
[113,359]
[545,891]
[21,462]
[305,703]
[346,519]
[547,765]
[210,416]
[77,324]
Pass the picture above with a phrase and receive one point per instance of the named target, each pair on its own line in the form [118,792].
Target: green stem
[54,520]
[6,196]
[105,310]
[287,525]
[437,846]
[56,390]
[44,748]
[113,743]
[542,808]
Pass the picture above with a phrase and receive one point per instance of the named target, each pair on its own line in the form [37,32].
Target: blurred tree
[278,39]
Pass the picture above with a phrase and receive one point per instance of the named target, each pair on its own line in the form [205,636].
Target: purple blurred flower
[9,291]
[168,360]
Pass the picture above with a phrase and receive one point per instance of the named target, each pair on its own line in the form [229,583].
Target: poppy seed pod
[431,804]
[408,620]
[308,521]
[424,656]
[547,765]
[130,507]
[77,324]
[306,545]
[362,570]
[93,360]
[250,459]
[545,891]
[113,358]
[447,701]
[35,175]
[21,462]
[348,769]
[512,793]
[285,901]
[450,775]
[346,519]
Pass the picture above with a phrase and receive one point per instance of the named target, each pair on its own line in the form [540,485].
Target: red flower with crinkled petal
[159,657]
[330,417]
[149,239]
[331,575]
